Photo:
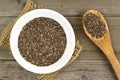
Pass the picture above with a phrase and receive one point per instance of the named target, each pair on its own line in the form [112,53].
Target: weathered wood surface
[66,7]
[92,64]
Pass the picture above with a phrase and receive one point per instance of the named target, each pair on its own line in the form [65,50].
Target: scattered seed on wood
[42,41]
[94,25]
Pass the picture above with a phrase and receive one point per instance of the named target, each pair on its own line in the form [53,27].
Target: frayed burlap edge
[4,40]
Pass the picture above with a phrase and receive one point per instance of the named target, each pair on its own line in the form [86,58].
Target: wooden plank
[78,7]
[65,7]
[4,21]
[48,3]
[91,67]
[10,7]
[4,55]
[87,70]
[10,70]
[79,70]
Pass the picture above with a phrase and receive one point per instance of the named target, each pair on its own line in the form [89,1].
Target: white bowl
[70,45]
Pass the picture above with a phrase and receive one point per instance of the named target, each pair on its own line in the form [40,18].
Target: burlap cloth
[4,40]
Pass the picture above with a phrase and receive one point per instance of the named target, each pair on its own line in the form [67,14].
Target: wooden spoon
[104,43]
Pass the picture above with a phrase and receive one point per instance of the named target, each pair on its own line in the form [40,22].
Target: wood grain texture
[65,7]
[79,70]
[87,70]
[10,70]
[92,64]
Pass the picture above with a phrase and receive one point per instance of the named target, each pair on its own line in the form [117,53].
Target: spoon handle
[114,62]
[106,47]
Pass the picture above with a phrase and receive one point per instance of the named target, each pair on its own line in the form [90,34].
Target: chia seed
[42,41]
[94,25]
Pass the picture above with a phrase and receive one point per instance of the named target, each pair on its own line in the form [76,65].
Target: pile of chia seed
[42,41]
[94,25]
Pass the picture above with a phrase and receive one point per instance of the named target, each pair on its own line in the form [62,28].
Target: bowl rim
[70,43]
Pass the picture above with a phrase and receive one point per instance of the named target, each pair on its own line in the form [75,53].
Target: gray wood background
[92,64]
